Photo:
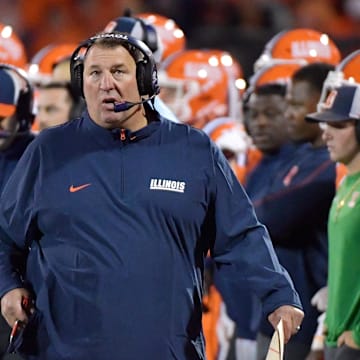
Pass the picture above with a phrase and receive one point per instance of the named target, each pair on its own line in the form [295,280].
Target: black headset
[146,71]
[127,23]
[150,36]
[24,107]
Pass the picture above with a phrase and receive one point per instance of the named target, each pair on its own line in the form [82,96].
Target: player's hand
[320,299]
[347,339]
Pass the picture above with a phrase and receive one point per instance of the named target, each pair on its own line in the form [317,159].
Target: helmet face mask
[232,139]
[346,72]
[177,94]
[202,86]
[228,134]
[334,79]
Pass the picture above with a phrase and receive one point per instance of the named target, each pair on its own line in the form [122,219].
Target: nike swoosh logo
[73,188]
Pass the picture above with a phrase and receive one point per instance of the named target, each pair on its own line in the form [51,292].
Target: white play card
[276,348]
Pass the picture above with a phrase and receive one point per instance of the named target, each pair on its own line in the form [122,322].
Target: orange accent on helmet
[299,45]
[197,86]
[272,74]
[233,67]
[171,35]
[43,62]
[236,81]
[350,67]
[12,49]
[229,62]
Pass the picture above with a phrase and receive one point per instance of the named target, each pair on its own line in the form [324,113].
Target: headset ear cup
[147,79]
[77,78]
[154,81]
[24,109]
[141,79]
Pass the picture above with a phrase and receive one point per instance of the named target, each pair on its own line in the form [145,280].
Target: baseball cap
[9,92]
[341,104]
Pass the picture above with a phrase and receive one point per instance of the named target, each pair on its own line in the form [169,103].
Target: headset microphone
[126,105]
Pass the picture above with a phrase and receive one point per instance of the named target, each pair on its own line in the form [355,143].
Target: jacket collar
[107,137]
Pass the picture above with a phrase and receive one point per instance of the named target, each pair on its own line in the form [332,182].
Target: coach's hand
[292,318]
[13,306]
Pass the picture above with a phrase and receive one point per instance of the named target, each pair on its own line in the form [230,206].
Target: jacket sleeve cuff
[9,277]
[277,299]
[10,285]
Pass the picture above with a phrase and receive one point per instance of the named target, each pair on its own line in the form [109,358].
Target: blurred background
[241,27]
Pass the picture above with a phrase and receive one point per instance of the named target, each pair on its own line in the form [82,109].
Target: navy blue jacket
[116,229]
[10,157]
[292,192]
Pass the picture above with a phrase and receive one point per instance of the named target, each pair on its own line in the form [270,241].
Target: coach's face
[110,76]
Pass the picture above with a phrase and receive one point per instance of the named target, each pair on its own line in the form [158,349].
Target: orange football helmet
[233,140]
[197,87]
[236,81]
[233,67]
[300,46]
[171,35]
[348,71]
[276,73]
[43,62]
[350,67]
[228,134]
[12,49]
